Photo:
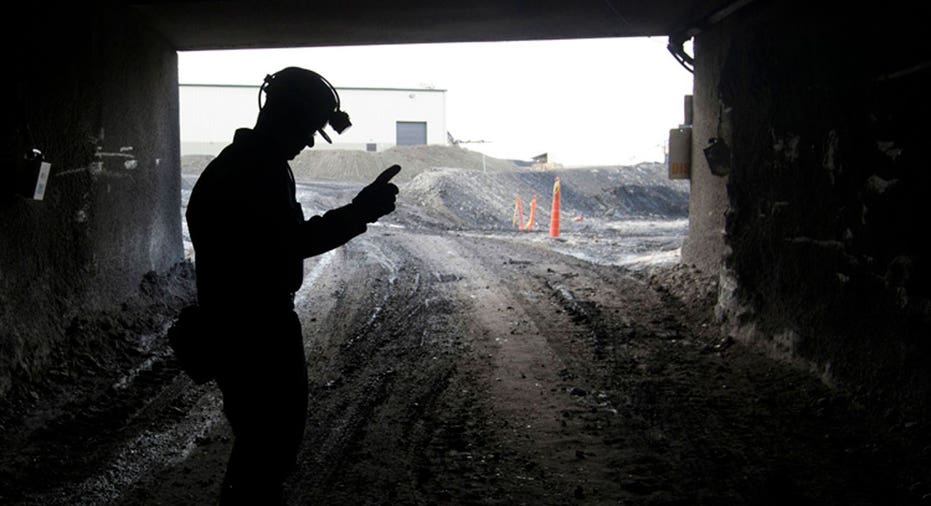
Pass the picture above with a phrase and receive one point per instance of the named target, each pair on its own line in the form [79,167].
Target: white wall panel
[211,113]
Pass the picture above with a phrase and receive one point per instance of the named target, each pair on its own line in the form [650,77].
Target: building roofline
[338,88]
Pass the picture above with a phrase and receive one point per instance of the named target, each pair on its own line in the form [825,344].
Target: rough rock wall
[96,92]
[826,113]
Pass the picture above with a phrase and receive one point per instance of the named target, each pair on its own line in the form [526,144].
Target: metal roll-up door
[412,133]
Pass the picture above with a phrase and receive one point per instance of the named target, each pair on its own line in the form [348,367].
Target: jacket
[249,233]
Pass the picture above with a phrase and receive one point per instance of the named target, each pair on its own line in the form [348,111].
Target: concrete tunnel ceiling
[255,24]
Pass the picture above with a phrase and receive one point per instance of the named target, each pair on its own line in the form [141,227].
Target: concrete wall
[97,92]
[825,261]
[704,246]
[210,115]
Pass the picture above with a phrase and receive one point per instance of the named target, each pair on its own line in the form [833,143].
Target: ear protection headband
[278,83]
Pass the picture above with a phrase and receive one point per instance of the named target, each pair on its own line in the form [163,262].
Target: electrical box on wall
[680,152]
[679,157]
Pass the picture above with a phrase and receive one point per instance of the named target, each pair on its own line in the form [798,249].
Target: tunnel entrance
[483,112]
[521,98]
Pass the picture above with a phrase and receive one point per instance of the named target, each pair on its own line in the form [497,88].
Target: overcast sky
[585,102]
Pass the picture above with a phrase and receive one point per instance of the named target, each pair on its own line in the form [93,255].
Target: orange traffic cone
[533,210]
[518,218]
[554,214]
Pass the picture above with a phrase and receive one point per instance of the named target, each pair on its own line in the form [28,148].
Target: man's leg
[265,400]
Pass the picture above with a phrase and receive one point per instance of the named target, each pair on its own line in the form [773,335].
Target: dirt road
[457,368]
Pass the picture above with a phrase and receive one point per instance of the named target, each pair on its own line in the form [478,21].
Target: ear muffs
[278,84]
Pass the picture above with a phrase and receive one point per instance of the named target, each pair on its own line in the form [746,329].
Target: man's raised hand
[378,198]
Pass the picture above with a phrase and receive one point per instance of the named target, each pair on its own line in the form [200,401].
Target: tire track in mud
[561,463]
[452,417]
[376,365]
[519,371]
[462,369]
[343,307]
[629,360]
[667,414]
[511,440]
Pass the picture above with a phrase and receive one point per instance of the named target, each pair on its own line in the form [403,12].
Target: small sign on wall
[41,180]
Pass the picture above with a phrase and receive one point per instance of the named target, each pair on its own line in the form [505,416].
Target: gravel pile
[448,187]
[362,166]
[464,199]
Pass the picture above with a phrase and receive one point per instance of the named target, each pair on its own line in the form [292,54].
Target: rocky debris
[363,166]
[447,188]
[684,282]
[590,197]
[102,346]
[194,164]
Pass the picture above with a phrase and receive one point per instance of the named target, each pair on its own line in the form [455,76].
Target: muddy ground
[474,364]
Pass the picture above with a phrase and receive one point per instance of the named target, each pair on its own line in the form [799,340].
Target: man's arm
[336,227]
[320,234]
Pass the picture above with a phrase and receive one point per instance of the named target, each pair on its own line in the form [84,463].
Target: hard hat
[310,90]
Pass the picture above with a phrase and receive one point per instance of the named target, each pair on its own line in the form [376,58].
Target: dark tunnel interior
[801,294]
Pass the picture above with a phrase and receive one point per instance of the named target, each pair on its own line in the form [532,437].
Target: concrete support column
[705,244]
[96,91]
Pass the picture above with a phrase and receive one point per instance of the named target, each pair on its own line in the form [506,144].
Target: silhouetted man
[250,239]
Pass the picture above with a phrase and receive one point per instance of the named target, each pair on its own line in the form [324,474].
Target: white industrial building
[381,117]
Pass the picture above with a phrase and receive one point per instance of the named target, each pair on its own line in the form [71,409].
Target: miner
[250,238]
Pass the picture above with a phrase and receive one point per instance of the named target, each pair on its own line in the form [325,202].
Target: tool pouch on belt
[190,338]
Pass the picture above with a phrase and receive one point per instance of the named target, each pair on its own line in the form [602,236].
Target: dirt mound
[194,164]
[447,187]
[475,200]
[362,166]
